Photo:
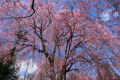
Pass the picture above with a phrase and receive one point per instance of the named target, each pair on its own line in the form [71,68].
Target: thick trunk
[51,61]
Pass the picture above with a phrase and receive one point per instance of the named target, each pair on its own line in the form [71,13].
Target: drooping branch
[27,16]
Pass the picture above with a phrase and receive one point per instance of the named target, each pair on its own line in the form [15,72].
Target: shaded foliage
[8,71]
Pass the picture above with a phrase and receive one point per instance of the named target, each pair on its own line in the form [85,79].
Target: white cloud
[116,14]
[27,67]
[105,16]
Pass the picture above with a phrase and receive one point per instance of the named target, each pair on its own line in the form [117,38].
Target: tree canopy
[70,40]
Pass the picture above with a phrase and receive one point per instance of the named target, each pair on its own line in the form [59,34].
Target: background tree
[8,70]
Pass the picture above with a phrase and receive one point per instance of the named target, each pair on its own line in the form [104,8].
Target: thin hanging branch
[27,16]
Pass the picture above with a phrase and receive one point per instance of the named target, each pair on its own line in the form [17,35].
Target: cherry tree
[71,41]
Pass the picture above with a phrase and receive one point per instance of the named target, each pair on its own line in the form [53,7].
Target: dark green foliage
[8,71]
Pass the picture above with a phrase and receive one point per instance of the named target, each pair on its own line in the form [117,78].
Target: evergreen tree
[8,71]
